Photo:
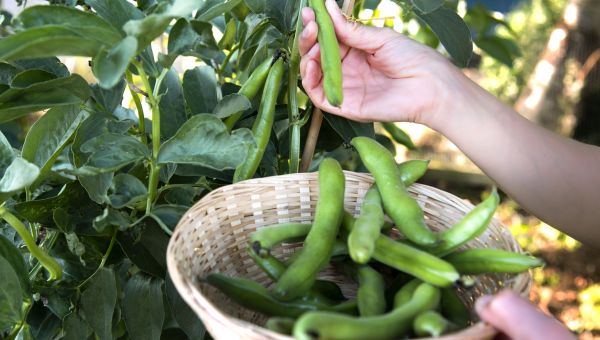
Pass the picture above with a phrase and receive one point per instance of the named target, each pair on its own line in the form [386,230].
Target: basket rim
[197,301]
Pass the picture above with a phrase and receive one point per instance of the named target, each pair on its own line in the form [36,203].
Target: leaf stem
[226,62]
[104,258]
[46,260]
[139,107]
[153,99]
[293,113]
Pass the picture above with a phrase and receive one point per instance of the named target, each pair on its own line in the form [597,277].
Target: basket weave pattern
[213,236]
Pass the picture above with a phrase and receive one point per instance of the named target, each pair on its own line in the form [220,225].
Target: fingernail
[483,302]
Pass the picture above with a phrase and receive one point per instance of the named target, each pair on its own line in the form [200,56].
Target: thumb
[354,34]
[519,319]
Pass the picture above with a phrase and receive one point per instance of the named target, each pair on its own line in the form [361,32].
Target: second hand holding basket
[213,236]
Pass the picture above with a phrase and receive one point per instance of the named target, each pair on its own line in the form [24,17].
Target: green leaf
[200,89]
[10,253]
[115,12]
[75,328]
[193,38]
[150,27]
[168,214]
[86,24]
[51,64]
[452,32]
[348,129]
[97,186]
[98,303]
[147,251]
[143,307]
[427,6]
[109,99]
[126,191]
[274,9]
[7,73]
[204,140]
[187,320]
[502,49]
[111,151]
[19,175]
[228,39]
[109,66]
[213,9]
[48,41]
[15,103]
[50,134]
[11,295]
[231,104]
[30,77]
[7,154]
[111,218]
[172,106]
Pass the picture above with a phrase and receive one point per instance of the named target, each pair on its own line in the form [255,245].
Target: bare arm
[555,178]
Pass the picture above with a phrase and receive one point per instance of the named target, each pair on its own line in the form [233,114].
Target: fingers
[313,85]
[519,319]
[308,37]
[307,15]
[313,55]
[356,35]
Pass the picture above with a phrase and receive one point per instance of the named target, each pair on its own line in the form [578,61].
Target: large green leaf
[172,106]
[11,254]
[49,135]
[11,295]
[200,89]
[51,64]
[348,129]
[7,154]
[75,327]
[98,303]
[452,32]
[7,73]
[112,151]
[18,176]
[18,102]
[168,215]
[143,307]
[231,104]
[502,49]
[213,9]
[204,140]
[185,316]
[427,6]
[108,100]
[275,10]
[150,27]
[147,251]
[126,190]
[116,12]
[193,38]
[110,65]
[29,77]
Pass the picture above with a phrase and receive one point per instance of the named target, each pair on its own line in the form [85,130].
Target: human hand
[518,319]
[386,76]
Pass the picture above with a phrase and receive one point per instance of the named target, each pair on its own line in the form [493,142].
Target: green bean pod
[251,87]
[431,323]
[399,205]
[331,61]
[323,325]
[280,325]
[470,226]
[254,296]
[408,259]
[488,260]
[404,294]
[453,308]
[264,239]
[371,292]
[263,124]
[412,170]
[340,248]
[367,227]
[398,135]
[318,246]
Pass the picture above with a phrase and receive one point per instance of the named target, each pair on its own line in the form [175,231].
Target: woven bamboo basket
[213,235]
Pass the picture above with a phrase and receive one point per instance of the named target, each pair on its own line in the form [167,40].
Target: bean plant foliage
[92,191]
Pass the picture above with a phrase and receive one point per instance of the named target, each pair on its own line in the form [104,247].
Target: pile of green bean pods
[406,285]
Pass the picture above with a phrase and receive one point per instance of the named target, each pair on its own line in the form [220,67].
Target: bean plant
[92,190]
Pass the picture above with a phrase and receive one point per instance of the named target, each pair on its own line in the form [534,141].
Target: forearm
[554,178]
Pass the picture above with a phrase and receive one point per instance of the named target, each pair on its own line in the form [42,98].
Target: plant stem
[293,113]
[153,100]
[311,139]
[226,62]
[46,260]
[104,258]
[317,117]
[139,107]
